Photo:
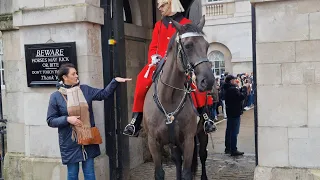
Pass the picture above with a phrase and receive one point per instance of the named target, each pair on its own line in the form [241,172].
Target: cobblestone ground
[219,166]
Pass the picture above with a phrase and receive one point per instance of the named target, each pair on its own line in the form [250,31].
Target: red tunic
[160,37]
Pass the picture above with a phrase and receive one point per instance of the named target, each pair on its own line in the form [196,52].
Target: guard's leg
[142,86]
[200,101]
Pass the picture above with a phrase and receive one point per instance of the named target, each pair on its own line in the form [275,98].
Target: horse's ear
[176,25]
[201,23]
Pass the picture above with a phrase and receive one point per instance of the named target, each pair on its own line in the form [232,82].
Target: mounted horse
[169,115]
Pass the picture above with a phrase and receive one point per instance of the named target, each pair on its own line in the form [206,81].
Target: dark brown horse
[169,116]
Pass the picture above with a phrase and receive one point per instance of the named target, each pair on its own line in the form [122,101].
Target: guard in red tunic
[161,35]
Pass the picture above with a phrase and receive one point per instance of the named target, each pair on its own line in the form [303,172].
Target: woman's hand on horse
[74,120]
[121,80]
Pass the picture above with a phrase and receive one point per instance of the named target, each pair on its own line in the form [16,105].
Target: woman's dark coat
[57,115]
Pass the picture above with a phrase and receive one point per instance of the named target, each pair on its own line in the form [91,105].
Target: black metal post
[154,12]
[254,58]
[2,132]
[107,52]
[121,93]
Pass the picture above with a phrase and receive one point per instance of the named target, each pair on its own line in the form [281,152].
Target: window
[1,65]
[217,60]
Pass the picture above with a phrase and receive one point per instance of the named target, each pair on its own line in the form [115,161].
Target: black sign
[44,60]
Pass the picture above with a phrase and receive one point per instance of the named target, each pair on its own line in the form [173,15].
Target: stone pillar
[33,149]
[288,78]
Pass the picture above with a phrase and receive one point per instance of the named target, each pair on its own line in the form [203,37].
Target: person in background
[70,110]
[222,92]
[234,98]
[215,97]
[250,94]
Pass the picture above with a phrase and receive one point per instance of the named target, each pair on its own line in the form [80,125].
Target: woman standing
[70,110]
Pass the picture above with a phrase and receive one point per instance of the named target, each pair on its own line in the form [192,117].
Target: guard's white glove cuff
[155,59]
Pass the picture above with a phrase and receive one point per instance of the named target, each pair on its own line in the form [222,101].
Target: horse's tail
[194,165]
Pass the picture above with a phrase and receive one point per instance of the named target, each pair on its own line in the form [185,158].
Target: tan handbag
[96,138]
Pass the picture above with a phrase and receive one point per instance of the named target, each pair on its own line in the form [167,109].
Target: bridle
[187,65]
[189,72]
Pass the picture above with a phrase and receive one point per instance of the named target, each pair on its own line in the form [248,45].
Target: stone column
[288,78]
[33,149]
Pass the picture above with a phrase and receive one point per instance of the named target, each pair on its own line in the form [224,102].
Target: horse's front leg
[188,148]
[177,159]
[155,151]
[203,153]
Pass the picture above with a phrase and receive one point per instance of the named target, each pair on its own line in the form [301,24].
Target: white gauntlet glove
[155,59]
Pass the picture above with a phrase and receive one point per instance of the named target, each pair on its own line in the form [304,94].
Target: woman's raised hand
[120,79]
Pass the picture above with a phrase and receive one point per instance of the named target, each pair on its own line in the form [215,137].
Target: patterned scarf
[78,106]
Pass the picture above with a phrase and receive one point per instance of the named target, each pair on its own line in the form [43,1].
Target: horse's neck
[171,76]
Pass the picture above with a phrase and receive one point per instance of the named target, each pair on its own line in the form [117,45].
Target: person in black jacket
[234,98]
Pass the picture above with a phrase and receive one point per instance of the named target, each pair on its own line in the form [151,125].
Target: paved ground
[219,165]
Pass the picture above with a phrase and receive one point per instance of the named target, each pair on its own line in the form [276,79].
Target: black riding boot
[134,127]
[208,125]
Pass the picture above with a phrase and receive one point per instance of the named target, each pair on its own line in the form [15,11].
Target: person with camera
[234,98]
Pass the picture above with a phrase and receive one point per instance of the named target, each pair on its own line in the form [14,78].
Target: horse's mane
[184,29]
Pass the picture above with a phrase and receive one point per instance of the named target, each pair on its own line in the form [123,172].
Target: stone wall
[30,140]
[288,82]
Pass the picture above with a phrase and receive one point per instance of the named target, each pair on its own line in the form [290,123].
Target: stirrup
[134,130]
[209,121]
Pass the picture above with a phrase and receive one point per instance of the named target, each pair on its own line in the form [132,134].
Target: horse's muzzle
[205,84]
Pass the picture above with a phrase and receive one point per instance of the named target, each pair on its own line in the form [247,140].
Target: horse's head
[191,50]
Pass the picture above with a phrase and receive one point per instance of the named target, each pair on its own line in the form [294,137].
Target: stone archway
[217,50]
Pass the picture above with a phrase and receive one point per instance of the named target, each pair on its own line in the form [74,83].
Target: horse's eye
[188,46]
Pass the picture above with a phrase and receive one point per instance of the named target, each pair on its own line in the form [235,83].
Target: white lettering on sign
[39,60]
[52,59]
[63,59]
[50,53]
[49,78]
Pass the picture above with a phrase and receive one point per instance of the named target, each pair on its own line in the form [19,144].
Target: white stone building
[228,30]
